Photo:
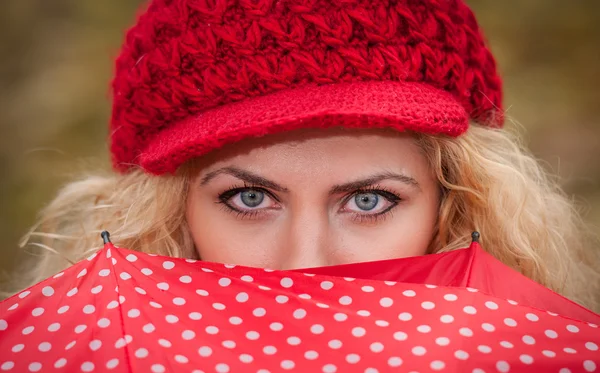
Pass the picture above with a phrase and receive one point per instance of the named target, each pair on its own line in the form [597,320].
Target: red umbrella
[125,311]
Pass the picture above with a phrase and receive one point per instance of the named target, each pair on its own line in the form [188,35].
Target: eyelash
[357,217]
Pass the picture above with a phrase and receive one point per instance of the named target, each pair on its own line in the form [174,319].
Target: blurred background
[56,62]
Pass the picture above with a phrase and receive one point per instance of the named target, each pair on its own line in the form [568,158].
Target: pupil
[252,198]
[366,201]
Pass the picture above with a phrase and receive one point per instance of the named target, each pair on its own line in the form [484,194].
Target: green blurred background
[56,61]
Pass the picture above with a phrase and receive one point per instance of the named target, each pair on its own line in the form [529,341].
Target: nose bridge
[306,237]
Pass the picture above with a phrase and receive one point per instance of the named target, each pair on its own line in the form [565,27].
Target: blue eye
[366,201]
[252,198]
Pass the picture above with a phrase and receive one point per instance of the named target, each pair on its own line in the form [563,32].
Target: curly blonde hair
[489,183]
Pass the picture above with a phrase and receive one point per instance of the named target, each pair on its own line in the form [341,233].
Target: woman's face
[313,198]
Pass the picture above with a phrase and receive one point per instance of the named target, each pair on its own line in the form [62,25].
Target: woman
[301,133]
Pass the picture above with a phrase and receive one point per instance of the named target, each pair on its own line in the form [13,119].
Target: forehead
[318,150]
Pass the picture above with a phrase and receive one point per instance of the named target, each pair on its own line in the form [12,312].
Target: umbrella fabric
[470,267]
[129,312]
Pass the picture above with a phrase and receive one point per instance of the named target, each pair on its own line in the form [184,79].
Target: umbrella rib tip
[105,237]
[475,236]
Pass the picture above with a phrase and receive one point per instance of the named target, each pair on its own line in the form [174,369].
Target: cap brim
[402,106]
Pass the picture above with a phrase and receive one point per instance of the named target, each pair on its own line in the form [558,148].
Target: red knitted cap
[194,75]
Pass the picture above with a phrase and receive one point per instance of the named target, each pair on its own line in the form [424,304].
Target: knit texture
[194,75]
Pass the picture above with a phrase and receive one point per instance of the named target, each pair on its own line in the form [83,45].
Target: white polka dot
[565,370]
[171,319]
[276,326]
[18,348]
[299,313]
[87,367]
[165,343]
[352,358]
[510,322]
[294,341]
[591,346]
[82,273]
[363,313]
[111,364]
[394,361]
[28,330]
[234,320]
[202,292]
[322,305]
[317,329]
[326,285]
[162,286]
[400,336]
[281,299]
[593,325]
[465,332]
[181,359]
[428,305]
[409,293]
[224,281]
[45,347]
[48,291]
[178,301]
[311,355]
[437,365]
[506,344]
[95,345]
[484,349]
[63,309]
[168,265]
[35,367]
[146,271]
[419,350]
[228,344]
[120,343]
[195,315]
[442,341]
[549,353]
[345,300]
[569,350]
[450,297]
[104,272]
[148,328]
[212,330]
[526,359]
[96,289]
[376,347]
[259,312]
[477,370]
[551,334]
[358,331]
[247,278]
[113,304]
[572,328]
[13,307]
[491,305]
[589,366]
[287,364]
[60,363]
[205,351]
[125,276]
[447,319]
[157,368]
[70,345]
[503,366]
[335,344]
[245,358]
[206,270]
[371,370]
[329,368]
[89,309]
[528,340]
[133,313]
[188,335]
[386,302]
[552,313]
[141,353]
[532,317]
[461,355]
[7,365]
[382,323]
[72,292]
[37,311]
[286,282]
[340,317]
[367,289]
[269,350]
[405,316]
[470,310]
[252,335]
[488,327]
[423,328]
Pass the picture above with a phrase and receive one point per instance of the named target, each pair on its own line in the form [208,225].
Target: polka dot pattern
[158,313]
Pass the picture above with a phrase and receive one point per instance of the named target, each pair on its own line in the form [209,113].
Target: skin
[313,198]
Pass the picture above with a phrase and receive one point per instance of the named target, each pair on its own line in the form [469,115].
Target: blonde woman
[302,133]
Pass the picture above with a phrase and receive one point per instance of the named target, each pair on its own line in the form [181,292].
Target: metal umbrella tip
[105,236]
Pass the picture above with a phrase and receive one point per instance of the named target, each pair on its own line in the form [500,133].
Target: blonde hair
[489,183]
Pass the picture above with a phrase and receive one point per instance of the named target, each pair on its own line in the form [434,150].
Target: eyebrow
[337,189]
